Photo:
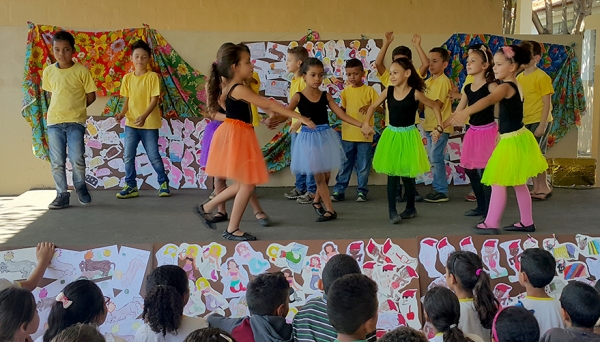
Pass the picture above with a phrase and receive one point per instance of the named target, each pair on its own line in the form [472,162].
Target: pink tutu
[209,131]
[478,144]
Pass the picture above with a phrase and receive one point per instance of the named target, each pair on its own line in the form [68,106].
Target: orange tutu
[235,154]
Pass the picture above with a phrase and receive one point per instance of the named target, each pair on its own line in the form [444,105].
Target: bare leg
[258,211]
[323,191]
[239,206]
[220,185]
[541,187]
[222,197]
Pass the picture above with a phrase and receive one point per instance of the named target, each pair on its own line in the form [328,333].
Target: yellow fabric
[535,86]
[353,98]
[69,88]
[437,89]
[385,81]
[296,85]
[255,88]
[140,90]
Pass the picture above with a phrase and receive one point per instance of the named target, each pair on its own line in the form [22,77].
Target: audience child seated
[515,324]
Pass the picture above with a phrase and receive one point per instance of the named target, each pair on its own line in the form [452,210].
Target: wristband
[440,129]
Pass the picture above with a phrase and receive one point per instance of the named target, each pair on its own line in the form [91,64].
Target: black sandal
[323,218]
[265,221]
[486,230]
[220,217]
[522,228]
[319,208]
[245,237]
[207,217]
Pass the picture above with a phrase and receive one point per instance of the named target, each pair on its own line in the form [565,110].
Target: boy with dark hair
[140,90]
[580,309]
[537,271]
[384,76]
[515,324]
[311,322]
[352,307]
[72,90]
[305,189]
[356,99]
[268,301]
[438,86]
[537,110]
[403,334]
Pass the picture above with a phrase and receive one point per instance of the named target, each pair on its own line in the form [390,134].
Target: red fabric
[243,332]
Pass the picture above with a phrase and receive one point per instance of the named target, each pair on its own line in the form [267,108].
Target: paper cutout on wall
[428,256]
[234,279]
[167,255]
[18,264]
[356,250]
[491,258]
[311,273]
[444,250]
[502,293]
[513,252]
[329,250]
[255,261]
[212,256]
[466,245]
[290,256]
[588,246]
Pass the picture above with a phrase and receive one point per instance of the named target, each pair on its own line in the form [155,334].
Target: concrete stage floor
[25,220]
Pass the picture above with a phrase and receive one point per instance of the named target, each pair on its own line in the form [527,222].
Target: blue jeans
[304,183]
[359,154]
[438,166]
[60,138]
[149,138]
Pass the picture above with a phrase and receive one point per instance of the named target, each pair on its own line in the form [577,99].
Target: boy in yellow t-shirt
[141,90]
[438,86]
[537,108]
[356,99]
[72,90]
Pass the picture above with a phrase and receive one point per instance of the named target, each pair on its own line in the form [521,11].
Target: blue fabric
[60,138]
[436,158]
[317,150]
[358,154]
[149,139]
[304,183]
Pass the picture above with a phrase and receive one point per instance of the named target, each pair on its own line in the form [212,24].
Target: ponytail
[214,89]
[81,301]
[467,267]
[454,334]
[163,309]
[443,311]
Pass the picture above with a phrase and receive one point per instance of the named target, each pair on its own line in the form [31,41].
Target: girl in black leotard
[517,156]
[235,153]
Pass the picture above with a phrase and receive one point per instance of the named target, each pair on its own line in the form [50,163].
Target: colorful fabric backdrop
[106,55]
[558,61]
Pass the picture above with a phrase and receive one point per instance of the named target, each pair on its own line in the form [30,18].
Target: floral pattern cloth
[106,55]
[558,61]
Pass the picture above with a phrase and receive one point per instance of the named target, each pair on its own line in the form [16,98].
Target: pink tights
[498,203]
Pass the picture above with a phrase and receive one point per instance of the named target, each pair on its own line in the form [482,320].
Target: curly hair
[209,335]
[405,334]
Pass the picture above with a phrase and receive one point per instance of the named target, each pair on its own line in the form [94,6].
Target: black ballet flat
[207,218]
[522,228]
[246,237]
[318,208]
[395,218]
[474,212]
[486,230]
[323,218]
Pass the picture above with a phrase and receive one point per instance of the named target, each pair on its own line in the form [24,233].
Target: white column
[524,23]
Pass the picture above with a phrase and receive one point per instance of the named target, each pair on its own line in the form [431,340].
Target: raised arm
[388,39]
[416,41]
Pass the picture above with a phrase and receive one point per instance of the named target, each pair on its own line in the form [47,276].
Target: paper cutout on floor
[234,279]
[291,256]
[466,245]
[556,286]
[311,274]
[255,261]
[212,256]
[502,293]
[588,246]
[444,250]
[328,250]
[565,251]
[58,268]
[389,316]
[491,258]
[189,255]
[593,267]
[214,301]
[167,255]
[356,250]
[389,252]
[400,279]
[531,242]
[195,306]
[99,262]
[239,307]
[124,307]
[428,257]
[513,253]
[572,270]
[131,268]
[17,264]
[297,296]
[409,308]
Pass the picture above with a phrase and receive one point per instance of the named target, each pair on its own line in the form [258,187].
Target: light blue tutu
[317,151]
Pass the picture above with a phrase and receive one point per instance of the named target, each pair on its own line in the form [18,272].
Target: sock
[392,190]
[409,192]
[497,205]
[524,200]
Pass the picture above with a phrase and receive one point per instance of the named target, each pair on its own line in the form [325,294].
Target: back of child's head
[414,80]
[515,54]
[299,52]
[81,301]
[229,56]
[483,51]
[309,63]
[443,311]
[533,47]
[351,303]
[403,334]
[443,53]
[209,335]
[64,36]
[222,49]
[166,288]
[337,267]
[140,44]
[515,324]
[467,269]
[354,63]
[17,310]
[80,333]
[582,304]
[539,266]
[267,293]
[402,51]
